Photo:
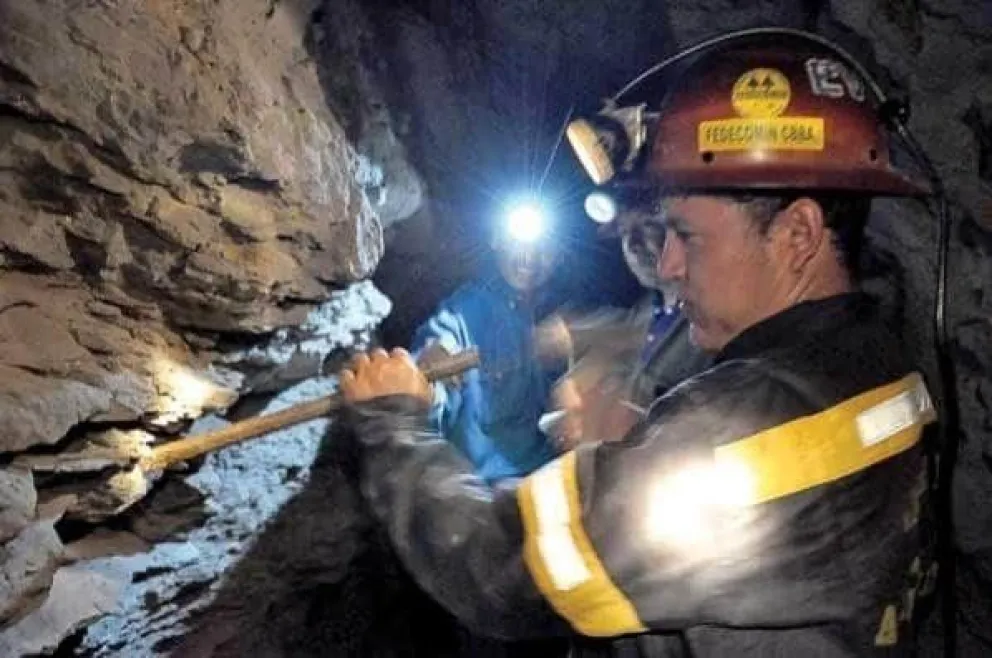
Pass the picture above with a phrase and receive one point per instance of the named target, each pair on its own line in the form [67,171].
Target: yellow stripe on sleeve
[842,440]
[561,557]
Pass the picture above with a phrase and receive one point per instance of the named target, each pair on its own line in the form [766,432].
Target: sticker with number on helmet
[832,79]
[761,93]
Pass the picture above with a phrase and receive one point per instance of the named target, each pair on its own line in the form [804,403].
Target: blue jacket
[492,416]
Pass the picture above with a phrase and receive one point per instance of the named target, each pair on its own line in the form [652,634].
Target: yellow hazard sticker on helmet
[761,93]
[773,134]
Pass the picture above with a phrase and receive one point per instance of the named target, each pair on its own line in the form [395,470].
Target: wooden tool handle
[453,365]
[191,447]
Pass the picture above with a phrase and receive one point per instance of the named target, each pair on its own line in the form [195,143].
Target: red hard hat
[767,113]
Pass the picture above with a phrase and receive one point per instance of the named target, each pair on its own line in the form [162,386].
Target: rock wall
[171,176]
[183,221]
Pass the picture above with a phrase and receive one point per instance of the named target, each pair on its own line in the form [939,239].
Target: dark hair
[845,215]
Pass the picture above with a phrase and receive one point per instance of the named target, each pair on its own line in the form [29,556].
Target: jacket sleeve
[720,508]
[460,538]
[446,328]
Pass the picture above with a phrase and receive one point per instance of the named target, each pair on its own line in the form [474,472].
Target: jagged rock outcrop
[183,220]
[216,512]
[168,176]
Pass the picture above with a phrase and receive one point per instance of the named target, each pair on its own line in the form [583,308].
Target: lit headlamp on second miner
[525,222]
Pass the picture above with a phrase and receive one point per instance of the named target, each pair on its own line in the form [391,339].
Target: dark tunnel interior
[207,209]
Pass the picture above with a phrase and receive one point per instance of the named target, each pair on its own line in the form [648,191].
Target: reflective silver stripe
[886,419]
[555,542]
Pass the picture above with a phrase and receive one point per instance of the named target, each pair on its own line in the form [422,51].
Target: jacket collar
[792,325]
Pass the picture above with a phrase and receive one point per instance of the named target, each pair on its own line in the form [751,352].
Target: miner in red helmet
[769,506]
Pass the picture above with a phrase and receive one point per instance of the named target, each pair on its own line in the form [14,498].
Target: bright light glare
[685,507]
[525,222]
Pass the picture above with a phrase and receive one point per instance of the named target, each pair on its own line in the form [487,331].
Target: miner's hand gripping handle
[191,447]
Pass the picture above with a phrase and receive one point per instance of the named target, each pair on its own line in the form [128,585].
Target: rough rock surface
[243,489]
[183,220]
[63,611]
[292,354]
[170,174]
[217,511]
[17,501]
[28,562]
[343,35]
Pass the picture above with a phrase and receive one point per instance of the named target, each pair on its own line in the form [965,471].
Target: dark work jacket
[667,361]
[767,506]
